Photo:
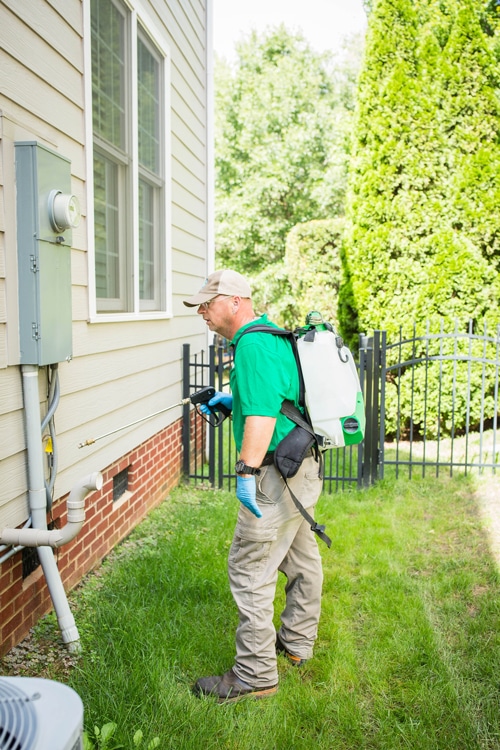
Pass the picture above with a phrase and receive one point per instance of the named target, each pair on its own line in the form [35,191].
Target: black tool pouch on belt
[292,450]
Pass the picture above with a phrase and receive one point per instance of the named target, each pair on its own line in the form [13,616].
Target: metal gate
[439,400]
[431,403]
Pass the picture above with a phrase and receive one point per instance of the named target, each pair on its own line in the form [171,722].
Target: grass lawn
[408,654]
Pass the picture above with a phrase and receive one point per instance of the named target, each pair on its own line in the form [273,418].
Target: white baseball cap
[226,282]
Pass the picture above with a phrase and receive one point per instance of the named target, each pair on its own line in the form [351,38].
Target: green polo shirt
[263,375]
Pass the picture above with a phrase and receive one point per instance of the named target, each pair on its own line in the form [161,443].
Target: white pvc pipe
[36,537]
[38,505]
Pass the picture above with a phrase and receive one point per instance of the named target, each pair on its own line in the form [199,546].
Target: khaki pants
[280,540]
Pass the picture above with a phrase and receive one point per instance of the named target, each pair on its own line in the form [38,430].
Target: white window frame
[139,20]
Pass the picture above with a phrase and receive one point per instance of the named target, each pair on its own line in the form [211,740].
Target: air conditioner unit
[37,714]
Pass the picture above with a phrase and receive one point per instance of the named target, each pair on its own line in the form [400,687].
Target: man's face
[217,314]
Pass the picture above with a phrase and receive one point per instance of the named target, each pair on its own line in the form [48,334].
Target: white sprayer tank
[331,383]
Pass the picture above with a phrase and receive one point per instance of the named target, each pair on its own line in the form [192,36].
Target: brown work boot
[281,649]
[229,688]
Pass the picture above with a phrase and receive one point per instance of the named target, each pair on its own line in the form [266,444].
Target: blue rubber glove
[245,492]
[225,399]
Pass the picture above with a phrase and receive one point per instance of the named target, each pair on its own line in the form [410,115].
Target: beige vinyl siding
[120,371]
[189,149]
[3,301]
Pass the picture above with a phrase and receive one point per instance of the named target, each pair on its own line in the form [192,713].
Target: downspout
[38,506]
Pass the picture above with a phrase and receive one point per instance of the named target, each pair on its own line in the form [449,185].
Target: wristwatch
[241,468]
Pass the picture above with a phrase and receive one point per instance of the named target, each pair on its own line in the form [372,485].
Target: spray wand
[202,396]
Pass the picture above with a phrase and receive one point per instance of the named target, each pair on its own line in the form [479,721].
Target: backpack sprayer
[202,396]
[329,381]
[333,393]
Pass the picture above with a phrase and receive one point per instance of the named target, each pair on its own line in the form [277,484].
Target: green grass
[408,654]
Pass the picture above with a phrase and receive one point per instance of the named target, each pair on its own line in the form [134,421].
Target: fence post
[363,355]
[371,358]
[211,428]
[219,385]
[186,422]
[382,380]
[368,393]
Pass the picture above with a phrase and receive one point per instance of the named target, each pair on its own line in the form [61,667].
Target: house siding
[3,299]
[120,371]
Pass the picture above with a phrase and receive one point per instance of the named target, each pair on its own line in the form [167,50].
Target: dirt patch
[40,654]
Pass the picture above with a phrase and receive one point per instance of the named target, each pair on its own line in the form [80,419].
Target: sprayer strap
[290,410]
[319,529]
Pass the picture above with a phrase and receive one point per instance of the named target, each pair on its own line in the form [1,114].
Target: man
[271,535]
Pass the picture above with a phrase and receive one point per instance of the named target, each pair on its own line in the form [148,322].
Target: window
[129,72]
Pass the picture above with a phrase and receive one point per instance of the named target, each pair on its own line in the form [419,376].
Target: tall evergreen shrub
[423,220]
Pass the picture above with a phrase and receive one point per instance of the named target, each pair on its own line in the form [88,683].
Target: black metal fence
[439,400]
[431,403]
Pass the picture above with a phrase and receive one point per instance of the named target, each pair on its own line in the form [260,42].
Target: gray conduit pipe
[53,397]
[53,402]
[38,506]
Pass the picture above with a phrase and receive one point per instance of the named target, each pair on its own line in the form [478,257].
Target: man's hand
[245,492]
[225,399]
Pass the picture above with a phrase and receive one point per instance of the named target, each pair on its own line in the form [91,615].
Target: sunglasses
[206,305]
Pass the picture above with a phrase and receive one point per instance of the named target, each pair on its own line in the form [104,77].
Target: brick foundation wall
[154,468]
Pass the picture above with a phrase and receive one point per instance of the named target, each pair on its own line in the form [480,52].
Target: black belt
[268,459]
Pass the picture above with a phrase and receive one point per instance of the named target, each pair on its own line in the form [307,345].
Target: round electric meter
[64,211]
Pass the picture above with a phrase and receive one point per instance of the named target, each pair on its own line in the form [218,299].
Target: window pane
[107,261]
[148,89]
[146,241]
[108,68]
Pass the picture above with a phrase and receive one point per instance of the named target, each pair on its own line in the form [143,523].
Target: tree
[283,116]
[423,237]
[313,268]
[423,221]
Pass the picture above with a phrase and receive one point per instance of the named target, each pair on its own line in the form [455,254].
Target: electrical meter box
[46,214]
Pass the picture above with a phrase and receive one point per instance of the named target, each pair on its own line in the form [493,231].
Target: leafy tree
[313,267]
[283,116]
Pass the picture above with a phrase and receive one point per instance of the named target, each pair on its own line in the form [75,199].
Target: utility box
[46,214]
